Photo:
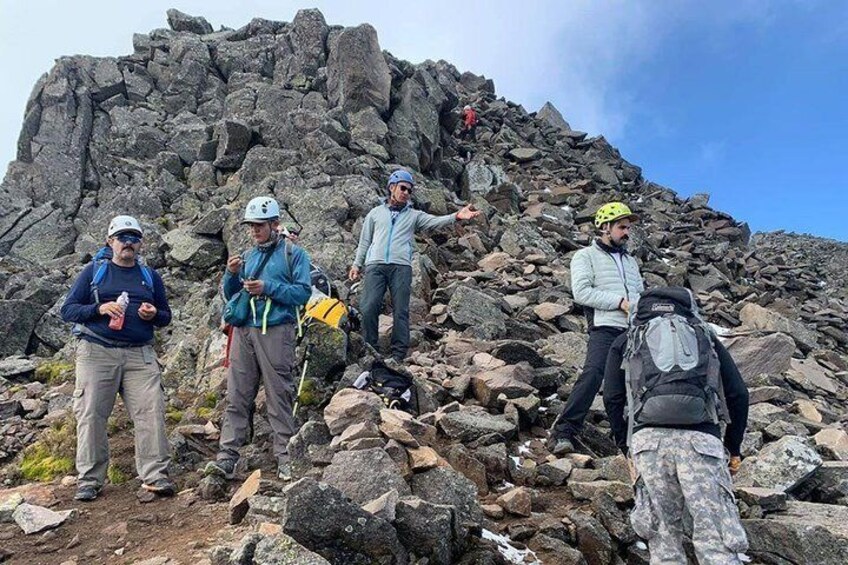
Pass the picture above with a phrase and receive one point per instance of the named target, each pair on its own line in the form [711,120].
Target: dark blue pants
[570,421]
[398,280]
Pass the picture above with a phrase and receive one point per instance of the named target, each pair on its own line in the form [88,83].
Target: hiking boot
[284,472]
[225,468]
[161,487]
[561,445]
[87,493]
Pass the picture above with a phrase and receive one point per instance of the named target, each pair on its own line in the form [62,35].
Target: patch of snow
[720,331]
[509,552]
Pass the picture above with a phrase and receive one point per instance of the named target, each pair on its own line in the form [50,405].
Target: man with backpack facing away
[385,250]
[268,283]
[116,303]
[605,279]
[678,385]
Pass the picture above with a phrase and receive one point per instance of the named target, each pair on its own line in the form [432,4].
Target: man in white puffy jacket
[605,279]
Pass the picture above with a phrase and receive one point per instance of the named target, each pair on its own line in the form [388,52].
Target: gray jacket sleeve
[426,221]
[364,240]
[583,289]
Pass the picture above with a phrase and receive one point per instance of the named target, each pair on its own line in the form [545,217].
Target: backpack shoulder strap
[98,273]
[147,275]
[289,260]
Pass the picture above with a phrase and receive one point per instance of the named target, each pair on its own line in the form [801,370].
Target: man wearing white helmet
[276,275]
[115,355]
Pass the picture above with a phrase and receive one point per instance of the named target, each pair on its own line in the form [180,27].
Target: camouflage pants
[683,470]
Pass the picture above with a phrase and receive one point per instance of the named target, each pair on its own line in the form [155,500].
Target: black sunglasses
[128,238]
[405,188]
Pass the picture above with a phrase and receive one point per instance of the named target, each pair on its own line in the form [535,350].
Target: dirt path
[182,528]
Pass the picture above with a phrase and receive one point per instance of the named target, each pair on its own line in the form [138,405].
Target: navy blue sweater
[81,308]
[735,394]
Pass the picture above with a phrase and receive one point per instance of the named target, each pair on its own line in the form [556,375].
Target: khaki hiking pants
[267,358]
[684,471]
[102,373]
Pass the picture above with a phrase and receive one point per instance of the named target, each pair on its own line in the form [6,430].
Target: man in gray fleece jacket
[605,279]
[385,250]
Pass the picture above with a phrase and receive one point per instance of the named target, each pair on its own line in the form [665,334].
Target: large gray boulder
[468,425]
[18,319]
[281,549]
[805,533]
[756,317]
[180,21]
[782,465]
[308,39]
[321,518]
[365,474]
[477,310]
[444,486]
[755,355]
[414,126]
[193,250]
[426,529]
[357,73]
[551,116]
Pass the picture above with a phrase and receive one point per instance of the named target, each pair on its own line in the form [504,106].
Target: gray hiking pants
[398,280]
[102,373]
[684,470]
[268,357]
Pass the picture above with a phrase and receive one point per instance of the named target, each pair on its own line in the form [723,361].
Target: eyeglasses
[405,188]
[128,238]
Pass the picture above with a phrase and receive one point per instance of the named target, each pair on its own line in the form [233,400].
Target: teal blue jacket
[285,290]
[390,241]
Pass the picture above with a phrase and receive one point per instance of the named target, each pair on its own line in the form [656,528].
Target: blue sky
[744,100]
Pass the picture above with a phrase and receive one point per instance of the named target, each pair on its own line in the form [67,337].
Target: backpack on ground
[395,388]
[672,372]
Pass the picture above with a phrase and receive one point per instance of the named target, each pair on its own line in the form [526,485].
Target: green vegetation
[54,372]
[173,416]
[210,399]
[52,455]
[308,394]
[116,476]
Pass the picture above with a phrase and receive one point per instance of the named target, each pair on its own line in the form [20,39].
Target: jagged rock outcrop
[185,130]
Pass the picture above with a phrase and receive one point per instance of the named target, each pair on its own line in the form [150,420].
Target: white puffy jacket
[599,284]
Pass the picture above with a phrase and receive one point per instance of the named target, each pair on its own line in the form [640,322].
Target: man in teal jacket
[265,345]
[385,250]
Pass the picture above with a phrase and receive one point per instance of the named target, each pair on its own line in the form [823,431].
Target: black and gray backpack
[672,372]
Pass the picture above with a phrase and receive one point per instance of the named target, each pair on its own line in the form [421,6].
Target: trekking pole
[306,357]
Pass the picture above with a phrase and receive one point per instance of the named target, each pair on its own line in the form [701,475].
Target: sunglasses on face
[405,188]
[128,238]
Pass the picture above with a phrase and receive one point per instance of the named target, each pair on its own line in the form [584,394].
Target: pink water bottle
[117,324]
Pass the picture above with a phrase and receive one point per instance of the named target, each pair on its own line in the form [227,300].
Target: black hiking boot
[87,493]
[225,468]
[161,487]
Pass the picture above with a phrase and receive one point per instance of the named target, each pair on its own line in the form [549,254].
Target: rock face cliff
[185,130]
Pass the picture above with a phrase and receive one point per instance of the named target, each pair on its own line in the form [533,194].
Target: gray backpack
[672,371]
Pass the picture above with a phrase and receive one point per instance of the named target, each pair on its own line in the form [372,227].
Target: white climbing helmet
[261,209]
[120,224]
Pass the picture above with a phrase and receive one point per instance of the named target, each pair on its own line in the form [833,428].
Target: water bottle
[117,324]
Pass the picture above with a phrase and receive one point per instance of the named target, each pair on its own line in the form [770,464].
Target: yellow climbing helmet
[612,212]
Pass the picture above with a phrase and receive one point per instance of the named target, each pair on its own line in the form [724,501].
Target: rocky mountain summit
[185,130]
